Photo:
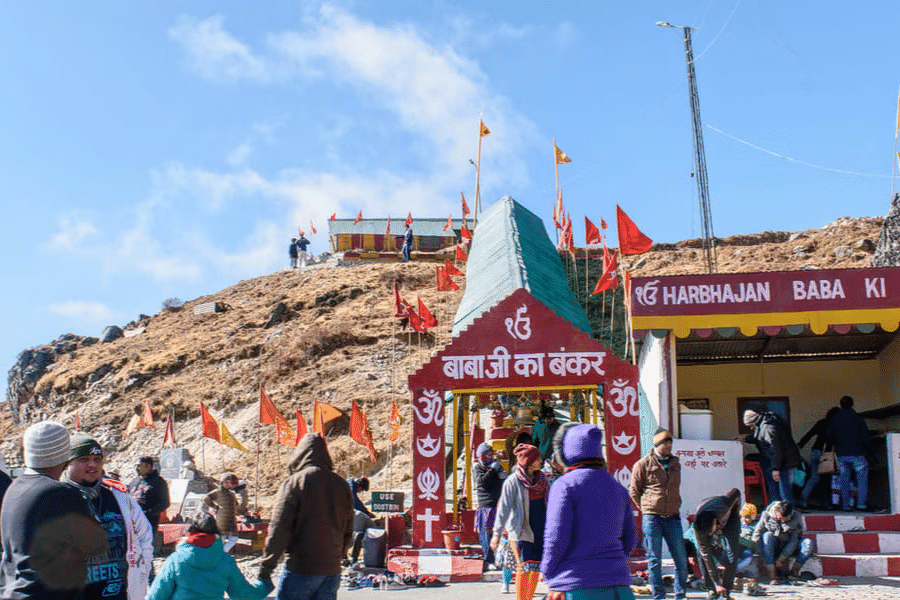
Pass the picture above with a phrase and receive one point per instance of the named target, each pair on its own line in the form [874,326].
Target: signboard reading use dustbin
[387,502]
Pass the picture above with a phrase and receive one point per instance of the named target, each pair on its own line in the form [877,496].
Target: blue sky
[159,149]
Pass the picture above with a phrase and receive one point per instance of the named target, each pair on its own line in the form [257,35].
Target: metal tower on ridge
[709,243]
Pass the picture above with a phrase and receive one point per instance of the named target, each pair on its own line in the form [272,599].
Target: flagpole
[257,463]
[612,315]
[477,178]
[556,198]
[203,451]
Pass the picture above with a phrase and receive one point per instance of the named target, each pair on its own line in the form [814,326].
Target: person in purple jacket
[590,530]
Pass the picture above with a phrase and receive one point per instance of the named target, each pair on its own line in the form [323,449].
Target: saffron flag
[268,414]
[416,322]
[428,319]
[626,281]
[170,432]
[147,417]
[465,207]
[285,433]
[603,224]
[609,280]
[312,229]
[323,413]
[631,240]
[483,131]
[460,255]
[395,421]
[133,425]
[358,218]
[451,269]
[356,425]
[401,306]
[591,233]
[230,441]
[561,157]
[209,425]
[449,224]
[444,283]
[465,233]
[301,426]
[409,220]
[332,217]
[78,419]
[388,230]
[368,435]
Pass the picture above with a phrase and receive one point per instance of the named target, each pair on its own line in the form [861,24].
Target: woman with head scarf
[590,530]
[521,512]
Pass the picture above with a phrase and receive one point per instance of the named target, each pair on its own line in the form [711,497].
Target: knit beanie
[663,435]
[526,454]
[45,445]
[483,449]
[84,445]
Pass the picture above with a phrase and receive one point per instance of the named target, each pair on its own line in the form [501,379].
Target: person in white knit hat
[46,529]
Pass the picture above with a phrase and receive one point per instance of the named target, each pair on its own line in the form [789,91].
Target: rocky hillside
[325,334]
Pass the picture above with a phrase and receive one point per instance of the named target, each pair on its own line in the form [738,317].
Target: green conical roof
[511,250]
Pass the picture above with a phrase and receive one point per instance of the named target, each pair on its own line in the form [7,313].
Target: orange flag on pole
[591,233]
[483,130]
[401,306]
[395,421]
[268,414]
[561,157]
[332,217]
[460,255]
[370,445]
[358,218]
[357,433]
[170,432]
[428,319]
[465,207]
[388,230]
[147,417]
[312,229]
[301,426]
[631,240]
[209,425]
[322,414]
[409,220]
[449,224]
[609,280]
[451,269]
[444,283]
[230,441]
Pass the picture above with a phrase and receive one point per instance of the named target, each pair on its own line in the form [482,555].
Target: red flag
[408,219]
[332,217]
[285,433]
[268,414]
[626,281]
[609,280]
[465,233]
[449,224]
[465,207]
[78,419]
[608,257]
[460,255]
[428,319]
[401,306]
[591,233]
[300,231]
[147,417]
[602,223]
[395,421]
[357,433]
[311,228]
[322,414]
[368,437]
[170,432]
[416,322]
[444,283]
[560,212]
[301,426]
[358,218]
[388,230]
[451,269]
[631,240]
[210,427]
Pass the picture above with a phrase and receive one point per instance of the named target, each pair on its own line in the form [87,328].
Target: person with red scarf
[521,512]
[200,569]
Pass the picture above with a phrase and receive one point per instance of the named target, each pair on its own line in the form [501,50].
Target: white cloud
[215,53]
[93,312]
[240,155]
[72,233]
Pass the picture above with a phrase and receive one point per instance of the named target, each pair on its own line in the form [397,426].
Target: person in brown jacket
[654,489]
[717,528]
[312,522]
[226,504]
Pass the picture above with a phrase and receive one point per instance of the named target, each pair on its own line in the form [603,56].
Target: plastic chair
[753,475]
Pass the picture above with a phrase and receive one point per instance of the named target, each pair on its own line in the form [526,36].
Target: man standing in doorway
[851,439]
[779,454]
[655,490]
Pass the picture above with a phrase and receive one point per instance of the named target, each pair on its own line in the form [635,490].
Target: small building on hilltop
[370,235]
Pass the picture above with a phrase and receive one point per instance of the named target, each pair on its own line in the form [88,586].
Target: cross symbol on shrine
[429,518]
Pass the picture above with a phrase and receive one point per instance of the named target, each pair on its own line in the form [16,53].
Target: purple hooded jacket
[590,530]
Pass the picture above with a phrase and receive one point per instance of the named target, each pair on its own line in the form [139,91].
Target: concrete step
[855,542]
[854,565]
[839,521]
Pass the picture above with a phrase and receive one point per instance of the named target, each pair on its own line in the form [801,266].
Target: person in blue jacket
[200,569]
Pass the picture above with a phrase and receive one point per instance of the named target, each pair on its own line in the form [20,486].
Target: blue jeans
[783,489]
[294,586]
[772,547]
[860,466]
[405,250]
[483,516]
[657,528]
[815,457]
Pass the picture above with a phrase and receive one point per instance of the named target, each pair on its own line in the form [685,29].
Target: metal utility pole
[709,243]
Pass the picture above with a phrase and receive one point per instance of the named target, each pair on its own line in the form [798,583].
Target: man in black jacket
[150,491]
[778,450]
[820,445]
[717,526]
[850,435]
[489,476]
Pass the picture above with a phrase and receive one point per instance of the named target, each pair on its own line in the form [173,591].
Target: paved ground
[850,588]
